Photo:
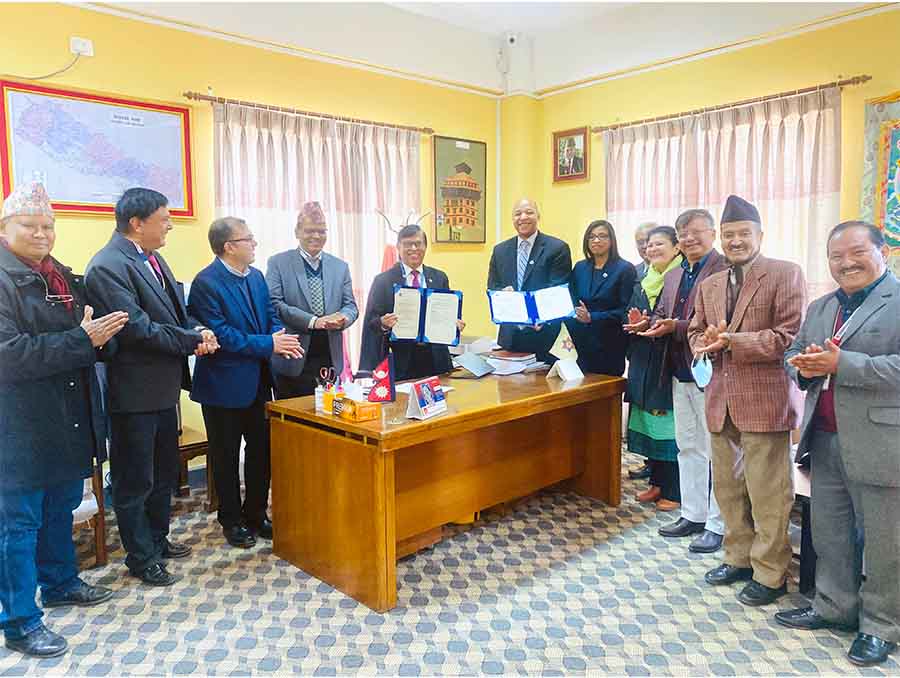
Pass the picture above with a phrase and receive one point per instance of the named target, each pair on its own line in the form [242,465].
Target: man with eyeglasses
[411,360]
[640,241]
[700,513]
[53,423]
[233,385]
[313,296]
[145,378]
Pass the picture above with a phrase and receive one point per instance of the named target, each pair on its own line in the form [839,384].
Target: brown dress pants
[754,486]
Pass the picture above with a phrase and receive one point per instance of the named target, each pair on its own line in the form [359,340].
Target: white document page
[553,303]
[440,317]
[509,307]
[407,306]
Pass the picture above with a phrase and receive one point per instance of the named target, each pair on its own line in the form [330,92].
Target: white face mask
[702,370]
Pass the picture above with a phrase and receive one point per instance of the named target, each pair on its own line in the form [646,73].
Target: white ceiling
[497,18]
[558,42]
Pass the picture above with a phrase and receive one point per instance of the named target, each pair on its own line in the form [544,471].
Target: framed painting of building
[460,176]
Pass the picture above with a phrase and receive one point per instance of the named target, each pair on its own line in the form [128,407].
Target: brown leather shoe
[666,505]
[649,495]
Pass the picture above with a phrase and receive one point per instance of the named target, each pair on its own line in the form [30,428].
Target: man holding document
[418,333]
[532,262]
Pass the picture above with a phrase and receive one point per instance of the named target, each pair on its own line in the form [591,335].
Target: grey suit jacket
[290,296]
[866,386]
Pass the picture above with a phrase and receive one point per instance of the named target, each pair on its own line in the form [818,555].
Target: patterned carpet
[559,585]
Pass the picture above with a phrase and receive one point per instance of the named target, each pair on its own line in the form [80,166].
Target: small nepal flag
[383,390]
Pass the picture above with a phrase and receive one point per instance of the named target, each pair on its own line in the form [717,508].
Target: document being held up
[427,315]
[531,308]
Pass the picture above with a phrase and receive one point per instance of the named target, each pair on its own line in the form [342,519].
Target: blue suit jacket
[230,376]
[601,343]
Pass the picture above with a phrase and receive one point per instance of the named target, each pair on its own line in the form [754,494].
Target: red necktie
[415,278]
[156,268]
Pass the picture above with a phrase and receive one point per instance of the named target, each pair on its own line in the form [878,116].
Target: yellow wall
[845,50]
[140,60]
[146,61]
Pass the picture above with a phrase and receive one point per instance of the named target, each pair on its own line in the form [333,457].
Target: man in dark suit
[313,295]
[530,261]
[145,377]
[571,163]
[233,385]
[411,360]
[699,511]
[847,359]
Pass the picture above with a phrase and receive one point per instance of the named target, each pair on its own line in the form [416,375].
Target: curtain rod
[856,80]
[197,96]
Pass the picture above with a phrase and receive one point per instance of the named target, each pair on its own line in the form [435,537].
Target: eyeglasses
[250,239]
[684,235]
[321,232]
[601,236]
[413,245]
[59,298]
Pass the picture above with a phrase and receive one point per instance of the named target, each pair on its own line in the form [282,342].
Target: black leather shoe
[41,642]
[727,574]
[263,529]
[173,549]
[755,594]
[707,542]
[681,528]
[156,575]
[83,595]
[807,619]
[638,474]
[239,536]
[866,650]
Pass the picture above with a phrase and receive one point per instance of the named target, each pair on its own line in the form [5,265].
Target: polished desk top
[474,403]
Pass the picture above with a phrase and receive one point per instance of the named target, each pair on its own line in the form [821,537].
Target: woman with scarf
[651,423]
[51,418]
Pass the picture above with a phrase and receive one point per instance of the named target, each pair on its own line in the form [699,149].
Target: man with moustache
[746,317]
[531,260]
[847,359]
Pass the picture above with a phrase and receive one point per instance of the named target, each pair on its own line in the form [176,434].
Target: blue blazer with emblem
[230,376]
[601,343]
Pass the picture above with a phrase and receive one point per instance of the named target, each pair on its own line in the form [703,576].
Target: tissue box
[355,410]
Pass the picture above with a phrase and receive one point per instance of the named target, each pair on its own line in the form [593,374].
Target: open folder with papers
[427,315]
[531,308]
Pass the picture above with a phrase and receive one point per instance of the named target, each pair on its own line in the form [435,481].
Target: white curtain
[783,155]
[267,164]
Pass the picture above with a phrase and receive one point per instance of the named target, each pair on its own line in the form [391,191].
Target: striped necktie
[521,263]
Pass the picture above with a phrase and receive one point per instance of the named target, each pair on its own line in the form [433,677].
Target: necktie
[415,278]
[316,292]
[735,280]
[521,263]
[154,263]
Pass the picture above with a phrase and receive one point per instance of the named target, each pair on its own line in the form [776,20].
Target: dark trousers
[318,355]
[225,427]
[143,460]
[664,475]
[840,506]
[35,549]
[418,362]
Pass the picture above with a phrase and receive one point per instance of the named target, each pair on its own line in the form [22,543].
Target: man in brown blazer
[745,318]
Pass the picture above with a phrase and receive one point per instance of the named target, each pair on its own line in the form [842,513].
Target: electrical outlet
[81,46]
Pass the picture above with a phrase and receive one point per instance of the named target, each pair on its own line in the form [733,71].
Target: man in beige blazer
[745,319]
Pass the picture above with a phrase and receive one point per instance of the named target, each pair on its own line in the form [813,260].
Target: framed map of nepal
[88,149]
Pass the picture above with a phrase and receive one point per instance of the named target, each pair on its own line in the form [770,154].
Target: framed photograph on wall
[87,149]
[571,154]
[460,197]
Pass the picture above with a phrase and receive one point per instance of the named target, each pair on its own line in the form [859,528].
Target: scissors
[327,377]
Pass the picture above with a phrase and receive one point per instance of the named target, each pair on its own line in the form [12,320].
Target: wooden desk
[349,498]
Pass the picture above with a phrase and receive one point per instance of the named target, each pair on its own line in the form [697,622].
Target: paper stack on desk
[509,362]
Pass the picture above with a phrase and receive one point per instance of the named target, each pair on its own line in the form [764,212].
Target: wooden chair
[192,443]
[98,520]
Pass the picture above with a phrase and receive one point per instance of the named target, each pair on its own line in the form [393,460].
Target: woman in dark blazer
[51,418]
[601,284]
[651,422]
